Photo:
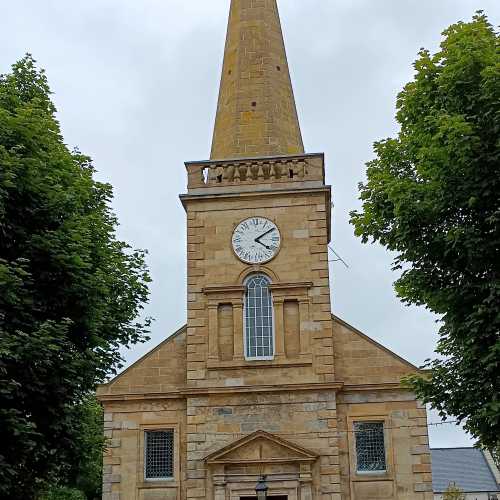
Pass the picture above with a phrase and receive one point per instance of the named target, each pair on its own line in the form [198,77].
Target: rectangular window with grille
[370,446]
[159,455]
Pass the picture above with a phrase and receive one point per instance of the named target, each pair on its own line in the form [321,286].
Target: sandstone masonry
[290,416]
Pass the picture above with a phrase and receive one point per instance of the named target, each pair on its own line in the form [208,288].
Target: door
[281,497]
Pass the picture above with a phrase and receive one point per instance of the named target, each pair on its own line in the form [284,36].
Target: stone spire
[256,113]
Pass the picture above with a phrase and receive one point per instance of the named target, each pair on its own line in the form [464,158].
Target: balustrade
[235,172]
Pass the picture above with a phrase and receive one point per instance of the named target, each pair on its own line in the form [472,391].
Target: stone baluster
[285,168]
[249,175]
[302,169]
[276,169]
[272,171]
[255,171]
[225,173]
[236,175]
[260,171]
[267,170]
[212,174]
[296,168]
[220,174]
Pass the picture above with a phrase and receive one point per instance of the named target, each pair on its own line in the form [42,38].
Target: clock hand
[260,243]
[264,234]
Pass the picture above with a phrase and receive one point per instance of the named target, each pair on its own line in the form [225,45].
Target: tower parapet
[247,174]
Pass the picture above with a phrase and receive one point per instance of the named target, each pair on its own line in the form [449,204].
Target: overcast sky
[136,85]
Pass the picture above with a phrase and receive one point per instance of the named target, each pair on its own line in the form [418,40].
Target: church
[264,393]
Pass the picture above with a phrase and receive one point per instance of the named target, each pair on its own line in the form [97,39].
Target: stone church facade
[263,382]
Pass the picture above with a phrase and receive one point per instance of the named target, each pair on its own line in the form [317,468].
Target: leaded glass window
[259,341]
[159,454]
[370,446]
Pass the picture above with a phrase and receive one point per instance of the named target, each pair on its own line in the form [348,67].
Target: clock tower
[263,387]
[259,328]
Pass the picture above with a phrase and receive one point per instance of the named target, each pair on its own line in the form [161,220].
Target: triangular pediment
[261,447]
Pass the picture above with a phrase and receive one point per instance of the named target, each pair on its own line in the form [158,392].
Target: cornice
[389,386]
[186,392]
[186,197]
[208,391]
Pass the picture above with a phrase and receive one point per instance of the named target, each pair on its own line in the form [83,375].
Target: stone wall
[305,418]
[299,272]
[408,473]
[124,425]
[162,370]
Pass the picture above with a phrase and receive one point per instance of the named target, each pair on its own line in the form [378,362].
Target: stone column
[279,327]
[213,327]
[305,482]
[239,350]
[219,492]
[220,484]
[305,334]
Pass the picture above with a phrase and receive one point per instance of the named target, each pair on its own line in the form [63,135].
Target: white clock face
[256,240]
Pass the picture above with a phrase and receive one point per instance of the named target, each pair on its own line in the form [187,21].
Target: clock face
[256,240]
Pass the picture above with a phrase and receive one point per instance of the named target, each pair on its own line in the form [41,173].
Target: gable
[161,370]
[361,360]
[261,447]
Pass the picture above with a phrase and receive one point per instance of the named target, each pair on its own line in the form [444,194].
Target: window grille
[370,446]
[159,454]
[259,341]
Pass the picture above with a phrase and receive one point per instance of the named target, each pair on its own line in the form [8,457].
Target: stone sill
[303,360]
[161,484]
[370,477]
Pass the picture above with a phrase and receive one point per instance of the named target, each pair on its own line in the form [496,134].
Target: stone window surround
[388,474]
[234,295]
[142,482]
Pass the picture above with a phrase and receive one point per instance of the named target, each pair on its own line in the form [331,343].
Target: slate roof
[466,467]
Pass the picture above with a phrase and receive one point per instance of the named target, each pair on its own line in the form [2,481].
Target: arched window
[259,337]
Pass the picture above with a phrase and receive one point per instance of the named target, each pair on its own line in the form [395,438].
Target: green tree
[63,493]
[86,474]
[495,453]
[453,492]
[70,291]
[83,478]
[432,198]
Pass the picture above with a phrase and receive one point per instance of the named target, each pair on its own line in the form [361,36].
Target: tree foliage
[83,479]
[63,493]
[432,197]
[70,291]
[453,492]
[495,453]
[86,473]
